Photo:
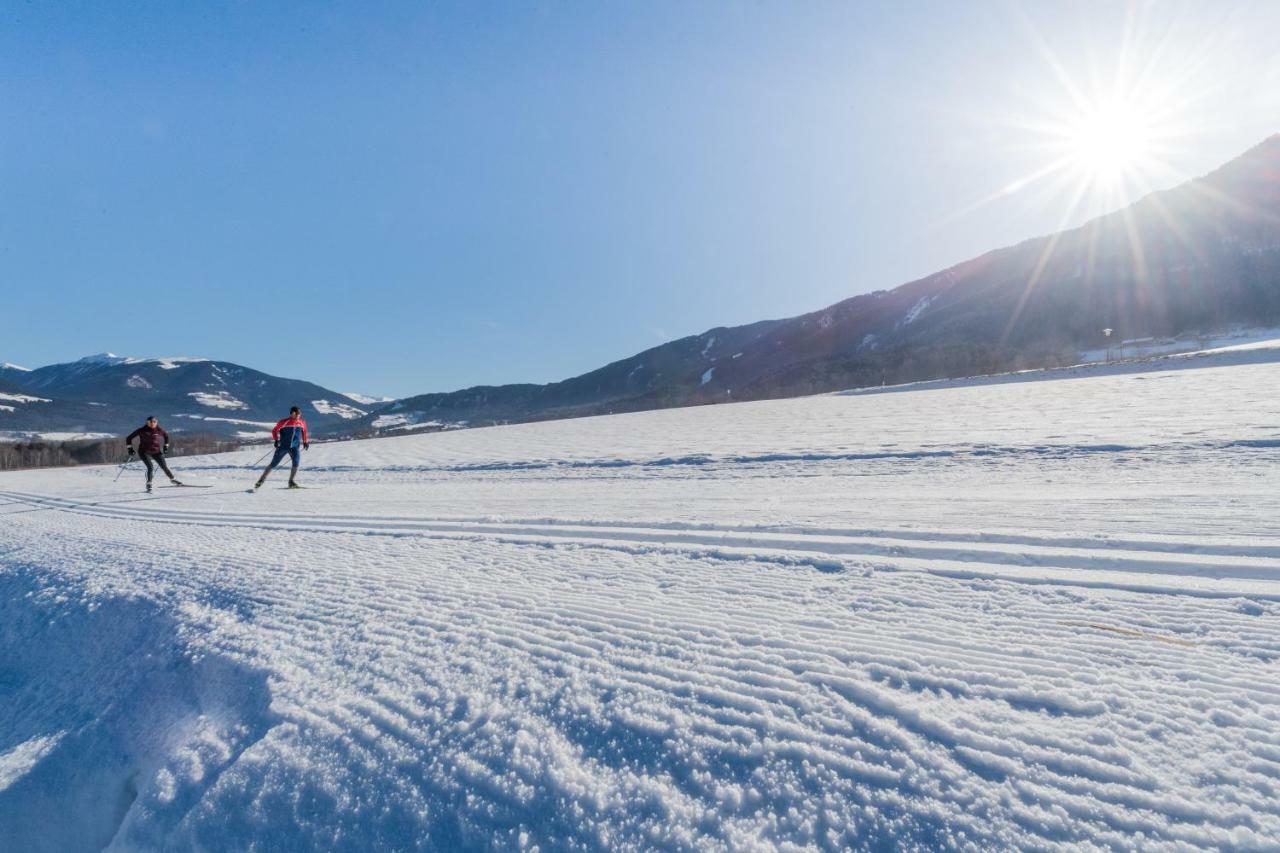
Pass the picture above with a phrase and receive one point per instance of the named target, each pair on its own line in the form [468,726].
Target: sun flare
[1109,141]
[1107,126]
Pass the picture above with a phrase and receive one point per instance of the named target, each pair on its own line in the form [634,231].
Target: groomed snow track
[953,652]
[1115,563]
[721,680]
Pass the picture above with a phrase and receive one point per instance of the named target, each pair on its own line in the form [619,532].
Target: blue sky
[396,198]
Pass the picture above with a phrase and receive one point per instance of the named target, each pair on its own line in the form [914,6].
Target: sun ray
[1041,264]
[1221,198]
[1137,252]
[1016,185]
[1051,60]
[1178,231]
[1112,121]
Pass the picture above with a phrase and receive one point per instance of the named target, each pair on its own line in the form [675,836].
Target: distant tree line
[100,451]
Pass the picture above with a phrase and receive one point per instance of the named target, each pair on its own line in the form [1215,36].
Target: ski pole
[121,471]
[263,456]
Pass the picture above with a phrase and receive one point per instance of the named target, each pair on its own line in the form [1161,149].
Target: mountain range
[1200,256]
[110,394]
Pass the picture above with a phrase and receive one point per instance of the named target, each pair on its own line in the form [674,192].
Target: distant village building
[1135,347]
[1139,347]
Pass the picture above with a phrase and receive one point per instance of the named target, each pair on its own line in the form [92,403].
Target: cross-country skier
[288,434]
[153,443]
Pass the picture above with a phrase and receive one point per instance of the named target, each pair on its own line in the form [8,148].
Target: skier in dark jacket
[288,434]
[153,443]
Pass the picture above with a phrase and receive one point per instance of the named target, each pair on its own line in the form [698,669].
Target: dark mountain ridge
[113,394]
[1200,256]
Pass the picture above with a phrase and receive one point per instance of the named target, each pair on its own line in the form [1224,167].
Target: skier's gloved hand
[166,449]
[306,445]
[277,444]
[129,447]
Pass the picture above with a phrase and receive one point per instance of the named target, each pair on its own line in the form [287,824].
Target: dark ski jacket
[291,432]
[149,440]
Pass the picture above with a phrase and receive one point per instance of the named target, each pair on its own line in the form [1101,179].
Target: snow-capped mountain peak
[102,358]
[110,359]
[108,392]
[10,366]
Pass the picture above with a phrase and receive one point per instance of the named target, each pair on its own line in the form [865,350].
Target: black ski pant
[147,459]
[281,453]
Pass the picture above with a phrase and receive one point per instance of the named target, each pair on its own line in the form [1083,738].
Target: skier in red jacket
[153,443]
[288,434]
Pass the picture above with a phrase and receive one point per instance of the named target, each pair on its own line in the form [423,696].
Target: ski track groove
[1172,548]
[1073,562]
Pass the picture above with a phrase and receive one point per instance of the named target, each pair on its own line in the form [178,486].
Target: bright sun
[1109,141]
[1105,129]
[1092,134]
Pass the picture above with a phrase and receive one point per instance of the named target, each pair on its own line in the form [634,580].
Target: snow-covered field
[1036,614]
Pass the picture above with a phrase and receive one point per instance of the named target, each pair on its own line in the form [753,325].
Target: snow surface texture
[1036,615]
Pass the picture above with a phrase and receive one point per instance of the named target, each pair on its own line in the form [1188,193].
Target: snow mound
[8,366]
[113,726]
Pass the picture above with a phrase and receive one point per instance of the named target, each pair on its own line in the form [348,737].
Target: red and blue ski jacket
[290,432]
